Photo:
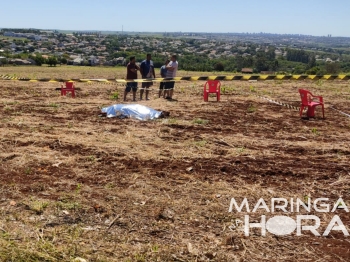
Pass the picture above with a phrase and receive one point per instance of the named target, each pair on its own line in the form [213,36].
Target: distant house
[74,56]
[2,60]
[19,62]
[93,60]
[116,61]
[278,52]
[120,61]
[31,61]
[247,70]
[43,50]
[78,61]
[11,34]
[34,37]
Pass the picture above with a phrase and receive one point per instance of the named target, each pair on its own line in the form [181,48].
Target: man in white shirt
[171,72]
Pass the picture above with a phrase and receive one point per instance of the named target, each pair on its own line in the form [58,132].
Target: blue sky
[310,17]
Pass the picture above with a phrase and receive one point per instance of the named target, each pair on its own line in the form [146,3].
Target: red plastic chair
[69,87]
[307,100]
[212,87]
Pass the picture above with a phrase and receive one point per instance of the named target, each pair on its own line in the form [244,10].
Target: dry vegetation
[76,185]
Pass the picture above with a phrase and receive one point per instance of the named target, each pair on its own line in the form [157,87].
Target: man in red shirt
[131,73]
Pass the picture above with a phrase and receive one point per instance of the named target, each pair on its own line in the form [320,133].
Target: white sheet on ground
[135,111]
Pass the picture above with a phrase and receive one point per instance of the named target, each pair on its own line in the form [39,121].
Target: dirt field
[75,185]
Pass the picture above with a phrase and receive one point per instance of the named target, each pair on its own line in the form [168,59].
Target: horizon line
[182,32]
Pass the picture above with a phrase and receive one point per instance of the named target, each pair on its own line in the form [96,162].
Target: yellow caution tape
[187,78]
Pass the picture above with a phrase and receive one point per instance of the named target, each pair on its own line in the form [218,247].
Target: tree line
[257,57]
[18,30]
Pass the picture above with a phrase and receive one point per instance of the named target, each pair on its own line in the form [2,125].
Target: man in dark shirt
[147,71]
[131,73]
[163,74]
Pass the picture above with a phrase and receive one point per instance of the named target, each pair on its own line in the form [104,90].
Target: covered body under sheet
[134,111]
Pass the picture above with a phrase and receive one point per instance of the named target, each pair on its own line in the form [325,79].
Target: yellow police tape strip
[190,78]
[294,107]
[274,101]
[341,112]
[280,103]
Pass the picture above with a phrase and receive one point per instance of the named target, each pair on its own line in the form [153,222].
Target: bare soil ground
[76,185]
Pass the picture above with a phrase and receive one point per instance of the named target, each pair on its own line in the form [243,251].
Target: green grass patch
[200,121]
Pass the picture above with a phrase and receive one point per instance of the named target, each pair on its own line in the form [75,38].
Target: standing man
[163,71]
[131,73]
[147,71]
[171,72]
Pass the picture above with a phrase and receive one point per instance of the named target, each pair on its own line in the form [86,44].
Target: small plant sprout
[201,143]
[251,108]
[78,188]
[115,95]
[340,205]
[240,150]
[172,121]
[38,206]
[54,105]
[319,82]
[306,199]
[314,131]
[200,121]
[155,249]
[140,258]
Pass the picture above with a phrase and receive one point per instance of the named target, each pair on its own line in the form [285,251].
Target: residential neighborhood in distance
[234,52]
